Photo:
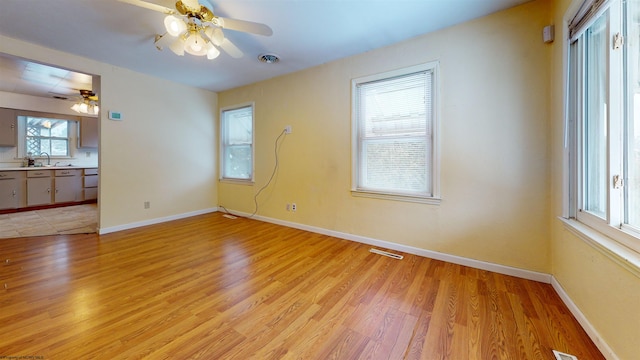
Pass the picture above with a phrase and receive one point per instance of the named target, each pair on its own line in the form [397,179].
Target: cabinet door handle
[56,190]
[14,193]
[49,191]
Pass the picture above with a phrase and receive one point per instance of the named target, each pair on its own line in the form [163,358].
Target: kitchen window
[603,122]
[45,135]
[237,143]
[395,135]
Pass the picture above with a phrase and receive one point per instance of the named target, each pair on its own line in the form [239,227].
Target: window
[395,134]
[237,143]
[44,135]
[603,123]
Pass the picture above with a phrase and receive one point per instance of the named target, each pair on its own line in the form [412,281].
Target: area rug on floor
[78,219]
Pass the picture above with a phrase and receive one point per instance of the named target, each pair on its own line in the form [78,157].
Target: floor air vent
[562,356]
[386,253]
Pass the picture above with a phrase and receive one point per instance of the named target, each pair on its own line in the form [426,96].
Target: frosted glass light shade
[215,34]
[195,45]
[174,25]
[178,46]
[212,52]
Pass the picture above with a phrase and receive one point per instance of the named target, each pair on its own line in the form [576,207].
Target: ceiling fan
[193,28]
[88,104]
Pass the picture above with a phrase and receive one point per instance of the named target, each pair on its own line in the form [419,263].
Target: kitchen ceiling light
[88,104]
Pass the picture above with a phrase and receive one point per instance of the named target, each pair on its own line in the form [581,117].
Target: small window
[44,135]
[395,128]
[237,143]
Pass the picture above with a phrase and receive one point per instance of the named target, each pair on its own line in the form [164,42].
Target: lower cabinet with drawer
[67,186]
[39,186]
[90,184]
[12,189]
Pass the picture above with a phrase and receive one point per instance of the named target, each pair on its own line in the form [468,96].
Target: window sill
[237,181]
[397,197]
[620,254]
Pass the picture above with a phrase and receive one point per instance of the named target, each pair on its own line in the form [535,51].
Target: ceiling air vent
[269,58]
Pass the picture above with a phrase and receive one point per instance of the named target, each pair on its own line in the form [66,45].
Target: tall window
[45,135]
[237,143]
[604,119]
[394,129]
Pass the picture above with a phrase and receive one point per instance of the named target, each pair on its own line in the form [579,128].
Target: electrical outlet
[147,204]
[287,129]
[293,207]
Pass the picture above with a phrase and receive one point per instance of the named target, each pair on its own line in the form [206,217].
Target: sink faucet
[48,157]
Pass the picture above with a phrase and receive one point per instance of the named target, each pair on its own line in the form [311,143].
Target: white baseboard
[478,264]
[102,231]
[604,348]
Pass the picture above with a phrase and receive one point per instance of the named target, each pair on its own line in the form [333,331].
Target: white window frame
[433,196]
[612,224]
[223,135]
[22,134]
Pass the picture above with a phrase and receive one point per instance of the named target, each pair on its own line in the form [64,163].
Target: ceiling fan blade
[244,26]
[231,49]
[150,6]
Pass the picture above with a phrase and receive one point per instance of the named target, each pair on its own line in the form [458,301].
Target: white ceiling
[306,33]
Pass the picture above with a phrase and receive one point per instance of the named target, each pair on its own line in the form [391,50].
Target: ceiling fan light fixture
[195,44]
[217,36]
[178,46]
[174,25]
[212,51]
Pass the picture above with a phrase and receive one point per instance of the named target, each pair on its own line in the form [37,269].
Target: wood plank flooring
[214,288]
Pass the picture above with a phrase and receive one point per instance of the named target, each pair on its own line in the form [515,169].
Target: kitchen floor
[77,219]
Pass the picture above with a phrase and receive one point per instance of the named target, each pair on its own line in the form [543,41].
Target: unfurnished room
[320,179]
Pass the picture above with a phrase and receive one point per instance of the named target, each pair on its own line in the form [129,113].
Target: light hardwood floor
[214,288]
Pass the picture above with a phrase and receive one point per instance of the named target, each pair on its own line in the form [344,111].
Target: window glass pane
[237,162]
[395,165]
[394,118]
[237,135]
[632,126]
[59,147]
[595,123]
[49,136]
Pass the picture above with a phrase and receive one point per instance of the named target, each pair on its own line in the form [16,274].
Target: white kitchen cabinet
[88,132]
[67,186]
[8,127]
[90,184]
[39,187]
[11,189]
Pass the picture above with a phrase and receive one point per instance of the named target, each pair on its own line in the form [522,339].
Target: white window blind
[395,134]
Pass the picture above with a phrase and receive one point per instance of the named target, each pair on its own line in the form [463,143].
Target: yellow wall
[494,111]
[163,151]
[605,292]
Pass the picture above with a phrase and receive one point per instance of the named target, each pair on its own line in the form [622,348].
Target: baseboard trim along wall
[102,231]
[604,348]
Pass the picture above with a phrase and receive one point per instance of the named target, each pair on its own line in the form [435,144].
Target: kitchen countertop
[48,167]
